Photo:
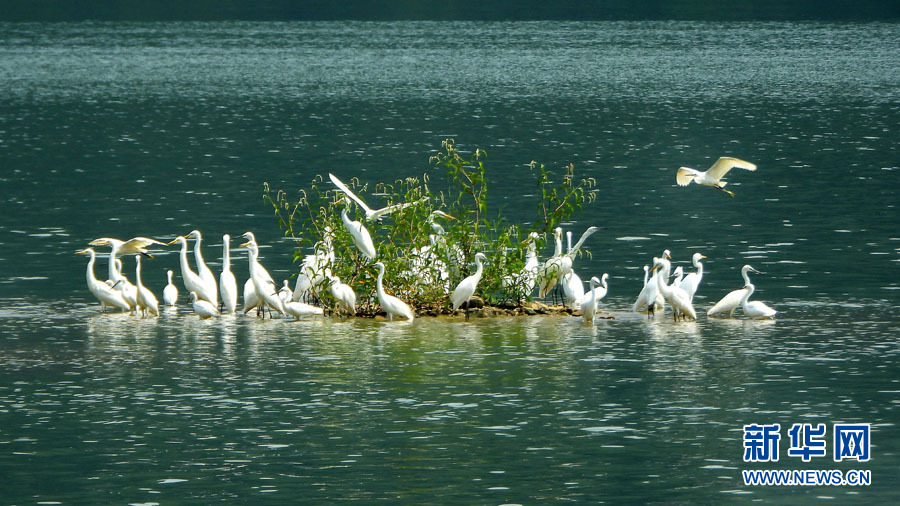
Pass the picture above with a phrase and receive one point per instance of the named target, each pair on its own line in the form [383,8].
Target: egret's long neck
[226,257]
[137,269]
[90,268]
[661,279]
[198,255]
[479,268]
[746,276]
[169,276]
[378,286]
[699,265]
[113,272]
[749,289]
[558,250]
[185,267]
[646,274]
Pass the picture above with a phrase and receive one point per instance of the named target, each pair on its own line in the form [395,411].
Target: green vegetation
[425,253]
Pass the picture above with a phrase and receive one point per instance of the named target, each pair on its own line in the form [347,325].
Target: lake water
[156,129]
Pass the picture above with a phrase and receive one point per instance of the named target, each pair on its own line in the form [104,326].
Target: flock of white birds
[260,291]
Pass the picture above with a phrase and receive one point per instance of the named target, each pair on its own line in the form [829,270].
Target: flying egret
[301,309]
[360,235]
[691,282]
[756,309]
[102,291]
[522,283]
[227,282]
[344,295]
[466,288]
[677,297]
[391,305]
[732,300]
[589,304]
[560,264]
[146,301]
[371,214]
[133,246]
[203,270]
[263,284]
[192,281]
[713,176]
[170,292]
[203,308]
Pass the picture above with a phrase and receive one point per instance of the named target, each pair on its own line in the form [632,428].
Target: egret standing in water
[227,283]
[391,305]
[677,297]
[713,176]
[559,265]
[263,284]
[103,292]
[146,301]
[588,305]
[203,308]
[344,295]
[205,273]
[756,309]
[691,282]
[732,300]
[192,281]
[170,292]
[466,288]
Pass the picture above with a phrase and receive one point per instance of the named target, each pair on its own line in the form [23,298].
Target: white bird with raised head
[756,309]
[391,305]
[203,270]
[170,292]
[678,299]
[146,301]
[588,305]
[466,288]
[344,295]
[691,282]
[731,301]
[263,284]
[227,282]
[192,281]
[359,234]
[560,264]
[713,176]
[102,291]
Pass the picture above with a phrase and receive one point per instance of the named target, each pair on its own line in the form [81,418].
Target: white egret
[522,283]
[170,292]
[733,299]
[133,246]
[301,309]
[227,282]
[137,245]
[560,264]
[678,275]
[360,235]
[466,288]
[315,268]
[146,301]
[129,291]
[102,291]
[251,301]
[426,266]
[203,308]
[691,282]
[600,291]
[756,309]
[650,299]
[263,284]
[285,294]
[371,214]
[192,281]
[205,273]
[573,287]
[713,176]
[344,295]
[588,305]
[677,297]
[391,305]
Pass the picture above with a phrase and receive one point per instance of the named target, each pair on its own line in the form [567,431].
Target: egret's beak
[82,252]
[667,255]
[653,268]
[702,256]
[148,255]
[442,214]
[245,245]
[175,240]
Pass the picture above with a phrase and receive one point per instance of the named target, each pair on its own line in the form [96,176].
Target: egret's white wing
[726,163]
[341,186]
[728,303]
[376,215]
[685,176]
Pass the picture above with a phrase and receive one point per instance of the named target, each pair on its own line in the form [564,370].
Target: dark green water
[156,129]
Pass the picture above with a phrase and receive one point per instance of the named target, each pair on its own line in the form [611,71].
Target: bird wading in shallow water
[392,305]
[733,299]
[466,288]
[713,176]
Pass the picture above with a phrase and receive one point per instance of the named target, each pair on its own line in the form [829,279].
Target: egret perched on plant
[102,291]
[315,268]
[227,283]
[203,308]
[560,264]
[263,284]
[359,234]
[371,214]
[466,288]
[713,176]
[146,301]
[733,299]
[691,282]
[170,292]
[391,305]
[522,283]
[677,297]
